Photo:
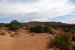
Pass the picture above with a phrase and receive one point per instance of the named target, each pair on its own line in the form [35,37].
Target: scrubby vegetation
[62,42]
[62,36]
[38,26]
[40,29]
[14,25]
[67,29]
[73,37]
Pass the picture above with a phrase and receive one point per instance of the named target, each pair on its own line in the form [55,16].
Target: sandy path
[24,42]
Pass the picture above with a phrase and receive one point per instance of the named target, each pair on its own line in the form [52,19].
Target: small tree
[14,25]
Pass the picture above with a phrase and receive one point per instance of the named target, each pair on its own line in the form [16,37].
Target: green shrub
[14,25]
[67,29]
[61,41]
[40,29]
[37,29]
[47,28]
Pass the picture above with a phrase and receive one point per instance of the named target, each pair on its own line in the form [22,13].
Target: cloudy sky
[37,10]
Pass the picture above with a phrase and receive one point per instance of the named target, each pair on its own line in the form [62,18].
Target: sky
[37,10]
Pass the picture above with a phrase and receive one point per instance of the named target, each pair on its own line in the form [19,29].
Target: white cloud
[43,9]
[69,20]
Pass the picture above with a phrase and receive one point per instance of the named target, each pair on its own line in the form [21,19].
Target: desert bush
[2,25]
[73,37]
[14,25]
[40,29]
[61,41]
[67,29]
[37,29]
[47,28]
[73,47]
[2,33]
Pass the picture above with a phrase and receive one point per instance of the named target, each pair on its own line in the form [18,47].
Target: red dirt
[24,41]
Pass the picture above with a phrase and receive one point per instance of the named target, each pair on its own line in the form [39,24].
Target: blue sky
[37,10]
[5,19]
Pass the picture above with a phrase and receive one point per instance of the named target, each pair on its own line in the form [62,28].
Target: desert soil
[24,41]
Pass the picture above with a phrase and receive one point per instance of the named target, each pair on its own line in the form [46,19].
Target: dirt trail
[24,42]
